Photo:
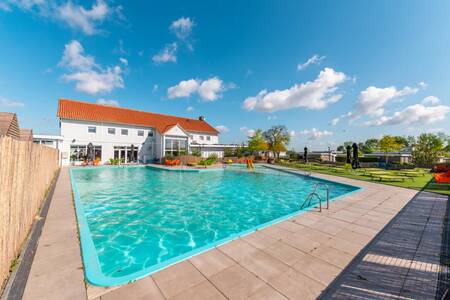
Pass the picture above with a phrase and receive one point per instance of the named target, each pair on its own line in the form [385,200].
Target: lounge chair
[442,177]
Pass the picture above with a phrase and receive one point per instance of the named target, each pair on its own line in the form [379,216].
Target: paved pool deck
[300,258]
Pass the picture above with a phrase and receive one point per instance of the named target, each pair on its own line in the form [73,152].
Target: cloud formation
[372,101]
[431,100]
[208,90]
[315,134]
[88,76]
[247,131]
[108,102]
[413,114]
[86,20]
[222,128]
[317,94]
[182,28]
[167,54]
[313,60]
[5,102]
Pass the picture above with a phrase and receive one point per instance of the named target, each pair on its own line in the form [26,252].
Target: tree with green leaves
[257,142]
[427,149]
[371,146]
[388,144]
[277,138]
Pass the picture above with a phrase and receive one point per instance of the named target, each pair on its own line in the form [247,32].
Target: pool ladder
[314,193]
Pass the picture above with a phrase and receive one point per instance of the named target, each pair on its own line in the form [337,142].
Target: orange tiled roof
[76,110]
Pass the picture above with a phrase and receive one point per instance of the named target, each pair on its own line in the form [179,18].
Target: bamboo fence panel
[26,172]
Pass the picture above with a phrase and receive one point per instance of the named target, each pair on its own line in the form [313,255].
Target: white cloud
[211,89]
[182,28]
[335,121]
[431,100]
[124,61]
[167,54]
[208,90]
[423,85]
[313,60]
[247,131]
[271,117]
[317,94]
[108,102]
[292,133]
[183,89]
[189,109]
[87,75]
[75,16]
[222,129]
[413,114]
[155,88]
[86,20]
[372,100]
[4,102]
[315,134]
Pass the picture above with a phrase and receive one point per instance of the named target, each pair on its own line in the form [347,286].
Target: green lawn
[420,181]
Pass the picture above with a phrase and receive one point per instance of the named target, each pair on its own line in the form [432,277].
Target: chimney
[201,118]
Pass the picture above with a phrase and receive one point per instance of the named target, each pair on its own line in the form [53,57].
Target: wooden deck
[404,261]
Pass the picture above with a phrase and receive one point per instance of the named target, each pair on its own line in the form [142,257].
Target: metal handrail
[314,193]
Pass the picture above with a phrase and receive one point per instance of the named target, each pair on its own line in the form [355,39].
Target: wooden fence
[26,172]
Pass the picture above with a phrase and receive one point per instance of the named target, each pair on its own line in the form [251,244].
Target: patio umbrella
[355,163]
[305,155]
[90,152]
[132,153]
[349,154]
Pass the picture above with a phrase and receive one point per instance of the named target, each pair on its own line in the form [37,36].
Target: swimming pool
[134,221]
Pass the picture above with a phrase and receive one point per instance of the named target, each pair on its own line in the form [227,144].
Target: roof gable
[76,110]
[9,125]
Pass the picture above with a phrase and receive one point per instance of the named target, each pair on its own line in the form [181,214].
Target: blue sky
[331,71]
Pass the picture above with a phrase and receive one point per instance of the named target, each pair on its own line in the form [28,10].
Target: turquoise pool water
[136,220]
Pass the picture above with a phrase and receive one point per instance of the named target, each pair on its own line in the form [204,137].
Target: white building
[130,135]
[53,141]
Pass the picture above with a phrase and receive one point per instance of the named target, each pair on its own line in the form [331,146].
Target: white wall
[196,137]
[76,133]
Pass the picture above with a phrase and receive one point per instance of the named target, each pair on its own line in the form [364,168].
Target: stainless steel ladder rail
[314,193]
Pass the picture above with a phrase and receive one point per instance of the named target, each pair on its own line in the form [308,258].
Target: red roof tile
[76,110]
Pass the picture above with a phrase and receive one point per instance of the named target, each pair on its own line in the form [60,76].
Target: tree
[401,140]
[389,144]
[371,146]
[277,138]
[427,149]
[257,142]
[340,148]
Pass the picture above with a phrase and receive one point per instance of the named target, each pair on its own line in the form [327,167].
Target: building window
[202,137]
[92,129]
[79,152]
[111,131]
[150,133]
[175,147]
[208,138]
[140,132]
[126,154]
[191,136]
[124,131]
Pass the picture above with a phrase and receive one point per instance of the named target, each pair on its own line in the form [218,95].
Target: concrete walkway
[57,270]
[294,259]
[404,260]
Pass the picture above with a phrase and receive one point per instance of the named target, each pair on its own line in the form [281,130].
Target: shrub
[114,161]
[196,152]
